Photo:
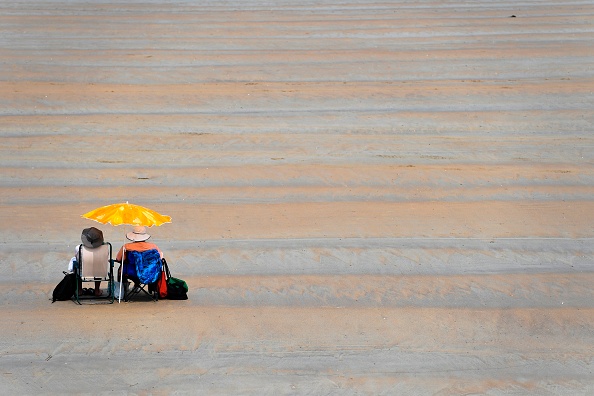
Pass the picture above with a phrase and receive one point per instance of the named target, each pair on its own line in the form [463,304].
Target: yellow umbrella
[127,213]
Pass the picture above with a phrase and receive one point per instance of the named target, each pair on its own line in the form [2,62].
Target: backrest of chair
[148,264]
[95,262]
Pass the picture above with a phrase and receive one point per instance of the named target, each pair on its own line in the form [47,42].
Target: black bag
[177,289]
[65,289]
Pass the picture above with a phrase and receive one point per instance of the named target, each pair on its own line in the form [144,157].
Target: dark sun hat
[92,237]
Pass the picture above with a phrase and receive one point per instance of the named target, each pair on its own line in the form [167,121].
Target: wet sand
[367,198]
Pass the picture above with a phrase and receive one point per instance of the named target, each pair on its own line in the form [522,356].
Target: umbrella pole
[122,272]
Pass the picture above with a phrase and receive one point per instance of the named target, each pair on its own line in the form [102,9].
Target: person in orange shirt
[139,243]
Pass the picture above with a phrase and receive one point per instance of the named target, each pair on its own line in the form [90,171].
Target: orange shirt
[138,247]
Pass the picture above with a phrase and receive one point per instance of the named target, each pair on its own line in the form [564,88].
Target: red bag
[162,283]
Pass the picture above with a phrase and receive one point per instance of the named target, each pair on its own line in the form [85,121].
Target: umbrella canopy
[127,213]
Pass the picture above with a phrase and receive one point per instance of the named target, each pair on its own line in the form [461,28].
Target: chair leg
[77,288]
[137,289]
[110,286]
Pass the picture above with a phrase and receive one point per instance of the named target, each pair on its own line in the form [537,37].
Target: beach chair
[94,264]
[144,269]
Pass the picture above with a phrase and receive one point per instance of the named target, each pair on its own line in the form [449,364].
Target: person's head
[138,234]
[92,237]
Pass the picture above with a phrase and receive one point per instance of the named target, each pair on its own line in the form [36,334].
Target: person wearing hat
[91,238]
[139,243]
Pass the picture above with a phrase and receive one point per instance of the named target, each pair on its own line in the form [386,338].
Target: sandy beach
[368,198]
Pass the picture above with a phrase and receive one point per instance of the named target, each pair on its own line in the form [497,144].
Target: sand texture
[367,197]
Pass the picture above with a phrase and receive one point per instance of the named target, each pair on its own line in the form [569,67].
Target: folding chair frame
[78,269]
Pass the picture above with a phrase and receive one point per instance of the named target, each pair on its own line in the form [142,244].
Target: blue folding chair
[144,269]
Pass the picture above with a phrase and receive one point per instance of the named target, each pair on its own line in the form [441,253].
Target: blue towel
[148,264]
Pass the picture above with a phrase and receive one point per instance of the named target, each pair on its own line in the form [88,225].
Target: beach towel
[147,264]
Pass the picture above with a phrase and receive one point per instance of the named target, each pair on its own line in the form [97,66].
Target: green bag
[177,289]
